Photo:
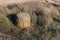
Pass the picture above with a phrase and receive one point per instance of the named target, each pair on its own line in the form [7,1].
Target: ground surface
[44,24]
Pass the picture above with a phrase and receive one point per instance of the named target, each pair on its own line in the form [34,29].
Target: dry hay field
[29,20]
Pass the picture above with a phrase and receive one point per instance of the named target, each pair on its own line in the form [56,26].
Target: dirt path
[56,2]
[14,1]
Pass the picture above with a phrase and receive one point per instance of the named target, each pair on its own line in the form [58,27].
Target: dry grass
[44,16]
